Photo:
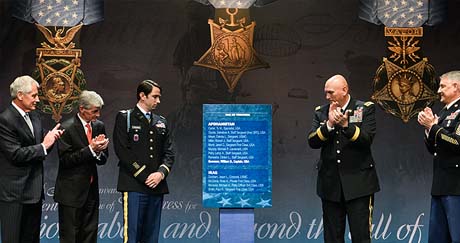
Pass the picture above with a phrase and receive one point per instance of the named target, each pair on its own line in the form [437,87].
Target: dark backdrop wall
[305,42]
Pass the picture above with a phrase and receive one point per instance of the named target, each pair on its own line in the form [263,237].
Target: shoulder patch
[368,103]
[318,108]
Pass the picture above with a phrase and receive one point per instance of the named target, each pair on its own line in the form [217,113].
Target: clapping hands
[99,143]
[426,118]
[52,136]
[336,117]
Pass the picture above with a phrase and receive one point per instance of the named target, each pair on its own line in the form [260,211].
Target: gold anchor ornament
[231,51]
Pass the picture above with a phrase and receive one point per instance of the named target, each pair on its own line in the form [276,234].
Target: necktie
[29,123]
[442,114]
[89,136]
[89,132]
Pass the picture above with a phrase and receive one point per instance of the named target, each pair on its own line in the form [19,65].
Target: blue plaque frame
[237,155]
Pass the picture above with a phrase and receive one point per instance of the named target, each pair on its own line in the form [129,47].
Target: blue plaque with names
[237,156]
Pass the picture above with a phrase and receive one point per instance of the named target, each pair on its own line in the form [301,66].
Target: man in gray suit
[23,147]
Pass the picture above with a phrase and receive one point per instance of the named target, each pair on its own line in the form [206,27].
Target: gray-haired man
[442,138]
[23,147]
[83,146]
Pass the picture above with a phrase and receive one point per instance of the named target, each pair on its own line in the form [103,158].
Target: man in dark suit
[142,143]
[23,147]
[442,138]
[81,148]
[347,180]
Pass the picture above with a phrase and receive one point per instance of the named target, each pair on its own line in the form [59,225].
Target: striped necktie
[29,123]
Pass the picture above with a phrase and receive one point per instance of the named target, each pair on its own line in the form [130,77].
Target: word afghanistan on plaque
[237,155]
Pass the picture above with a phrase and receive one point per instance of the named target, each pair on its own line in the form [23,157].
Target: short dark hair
[146,87]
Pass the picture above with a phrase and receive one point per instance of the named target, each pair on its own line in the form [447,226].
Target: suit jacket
[345,164]
[143,148]
[76,163]
[443,142]
[21,157]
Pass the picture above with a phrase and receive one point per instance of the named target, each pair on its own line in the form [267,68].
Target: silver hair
[452,76]
[22,84]
[88,99]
